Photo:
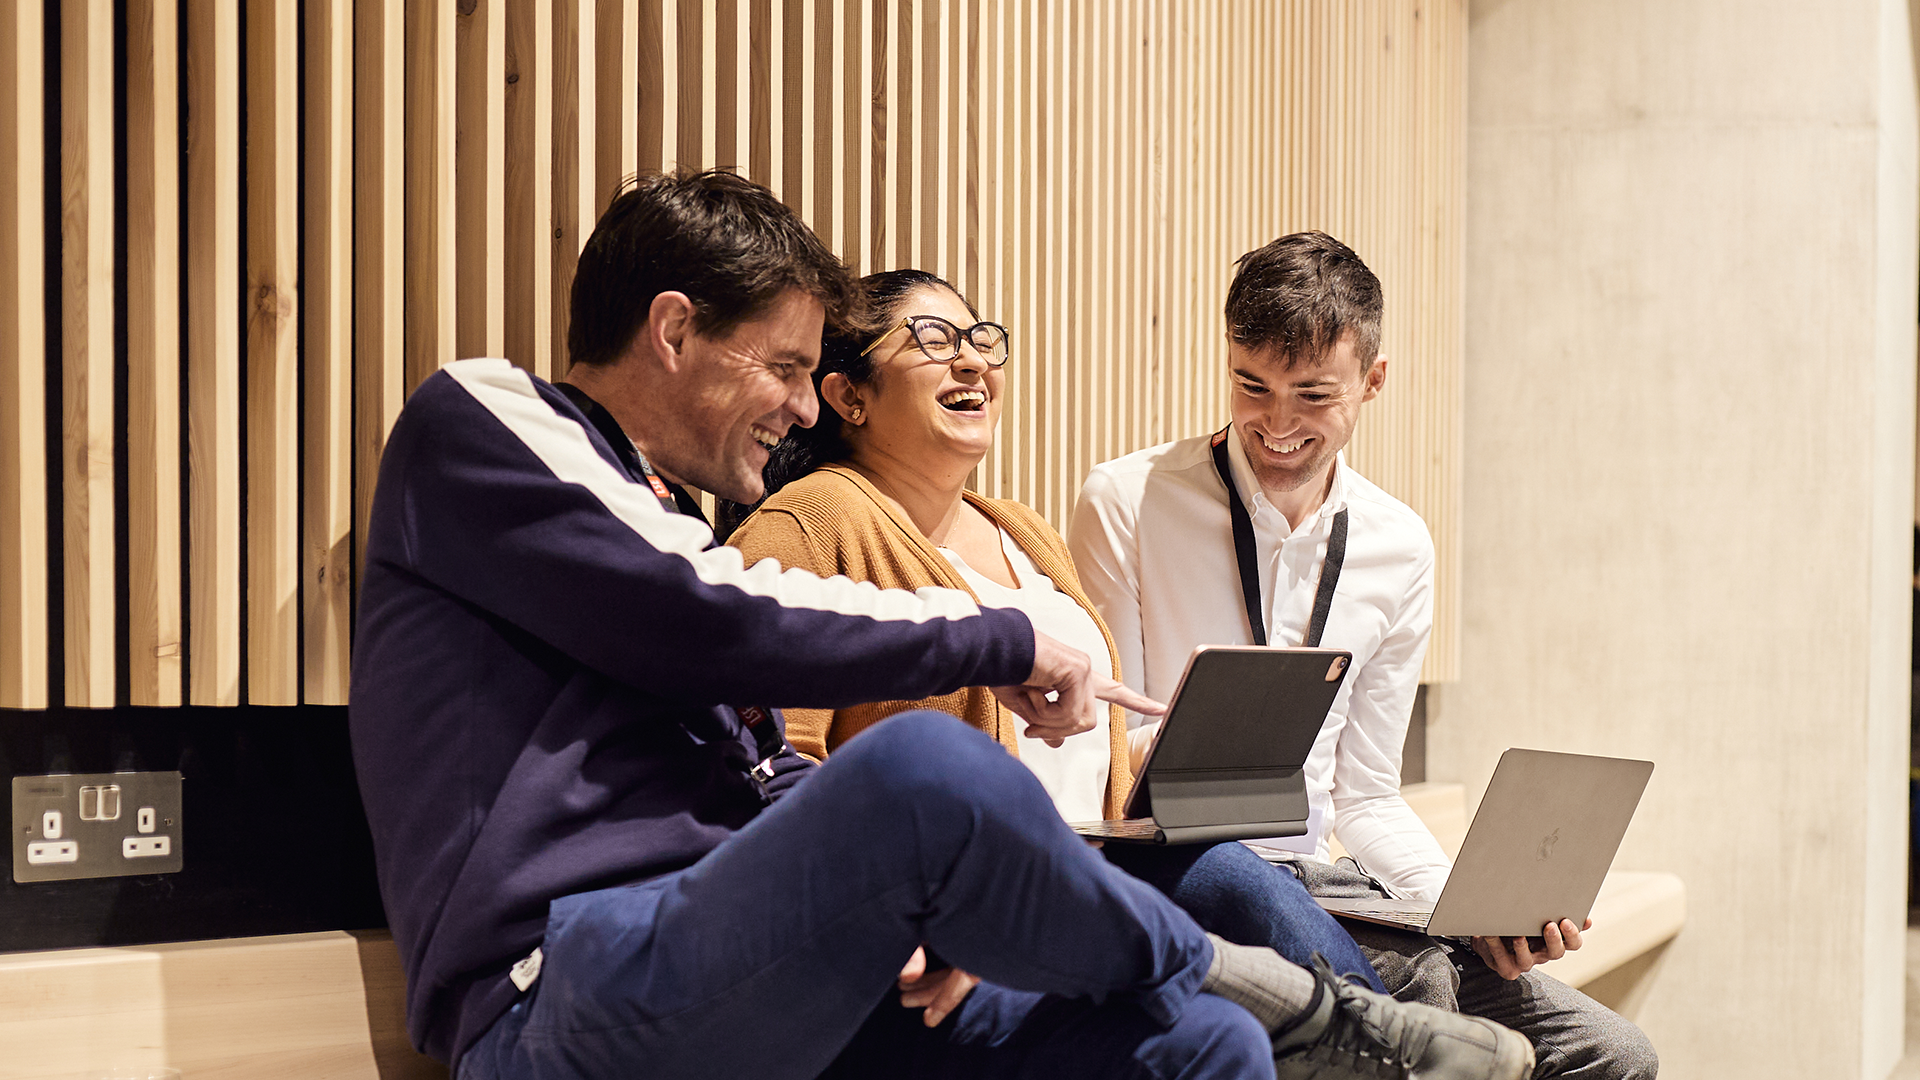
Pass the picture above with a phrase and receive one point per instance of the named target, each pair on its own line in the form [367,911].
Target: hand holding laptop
[1512,957]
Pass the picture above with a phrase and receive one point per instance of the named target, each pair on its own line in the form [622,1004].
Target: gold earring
[856,414]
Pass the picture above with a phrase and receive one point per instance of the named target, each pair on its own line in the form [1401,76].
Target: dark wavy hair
[1300,294]
[879,304]
[726,242]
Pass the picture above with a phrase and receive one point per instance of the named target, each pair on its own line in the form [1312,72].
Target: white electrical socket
[146,847]
[58,851]
[68,826]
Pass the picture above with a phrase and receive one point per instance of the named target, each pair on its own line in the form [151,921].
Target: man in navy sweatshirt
[598,856]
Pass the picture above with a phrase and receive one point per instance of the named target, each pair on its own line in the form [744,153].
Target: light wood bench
[1636,915]
[324,1006]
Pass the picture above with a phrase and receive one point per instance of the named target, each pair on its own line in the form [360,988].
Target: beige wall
[1689,480]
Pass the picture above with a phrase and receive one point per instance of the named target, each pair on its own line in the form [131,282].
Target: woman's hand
[938,993]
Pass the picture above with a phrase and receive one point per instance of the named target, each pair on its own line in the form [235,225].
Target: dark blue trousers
[1240,896]
[775,955]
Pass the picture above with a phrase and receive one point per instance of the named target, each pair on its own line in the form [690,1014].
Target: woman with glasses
[876,490]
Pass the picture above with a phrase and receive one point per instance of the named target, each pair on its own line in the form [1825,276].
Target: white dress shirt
[1153,543]
[1075,772]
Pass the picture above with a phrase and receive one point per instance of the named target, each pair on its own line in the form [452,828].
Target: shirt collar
[1256,499]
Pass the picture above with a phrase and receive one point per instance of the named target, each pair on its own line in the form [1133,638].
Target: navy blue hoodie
[546,666]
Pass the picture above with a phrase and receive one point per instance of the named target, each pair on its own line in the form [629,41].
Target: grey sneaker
[1351,1031]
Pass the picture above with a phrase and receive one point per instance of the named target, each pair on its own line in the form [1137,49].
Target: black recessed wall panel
[274,838]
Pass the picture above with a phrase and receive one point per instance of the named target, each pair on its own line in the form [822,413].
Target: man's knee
[1632,1056]
[1606,1047]
[923,755]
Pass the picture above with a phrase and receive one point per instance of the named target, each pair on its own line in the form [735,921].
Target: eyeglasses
[940,340]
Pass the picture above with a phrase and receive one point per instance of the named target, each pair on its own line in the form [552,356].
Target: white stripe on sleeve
[562,445]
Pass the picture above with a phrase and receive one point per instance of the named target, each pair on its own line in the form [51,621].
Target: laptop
[1537,851]
[1228,762]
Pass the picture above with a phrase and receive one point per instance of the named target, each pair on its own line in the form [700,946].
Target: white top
[1153,543]
[1075,773]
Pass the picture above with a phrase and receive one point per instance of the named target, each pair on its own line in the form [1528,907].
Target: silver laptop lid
[1540,843]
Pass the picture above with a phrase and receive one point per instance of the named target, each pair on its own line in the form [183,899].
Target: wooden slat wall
[419,184]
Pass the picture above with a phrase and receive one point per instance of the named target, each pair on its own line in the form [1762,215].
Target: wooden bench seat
[325,1006]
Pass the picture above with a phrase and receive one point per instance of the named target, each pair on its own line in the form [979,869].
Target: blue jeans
[775,955]
[1240,896]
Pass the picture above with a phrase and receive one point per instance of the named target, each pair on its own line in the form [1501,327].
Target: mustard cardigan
[833,521]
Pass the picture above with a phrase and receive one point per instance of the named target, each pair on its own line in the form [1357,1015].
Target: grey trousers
[1573,1036]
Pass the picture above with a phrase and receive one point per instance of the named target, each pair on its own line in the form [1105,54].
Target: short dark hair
[726,242]
[879,304]
[1302,293]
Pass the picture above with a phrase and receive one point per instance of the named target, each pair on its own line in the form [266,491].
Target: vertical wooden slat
[1013,231]
[797,96]
[832,66]
[760,82]
[380,240]
[480,190]
[429,272]
[988,129]
[527,282]
[575,121]
[936,156]
[863,91]
[686,44]
[827,125]
[213,351]
[794,96]
[87,439]
[892,126]
[960,89]
[630,125]
[326,451]
[708,87]
[273,353]
[665,110]
[733,61]
[967,76]
[153,354]
[23,360]
[727,110]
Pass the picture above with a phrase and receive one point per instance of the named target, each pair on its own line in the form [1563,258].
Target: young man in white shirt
[1153,538]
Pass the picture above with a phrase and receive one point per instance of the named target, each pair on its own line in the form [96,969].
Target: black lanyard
[672,497]
[1243,553]
[759,719]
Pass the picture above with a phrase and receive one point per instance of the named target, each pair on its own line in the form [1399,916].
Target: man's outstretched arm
[492,493]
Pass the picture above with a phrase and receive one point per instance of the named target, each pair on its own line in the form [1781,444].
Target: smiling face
[915,408]
[737,395]
[1292,421]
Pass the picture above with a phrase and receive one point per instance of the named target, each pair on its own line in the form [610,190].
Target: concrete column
[1689,454]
